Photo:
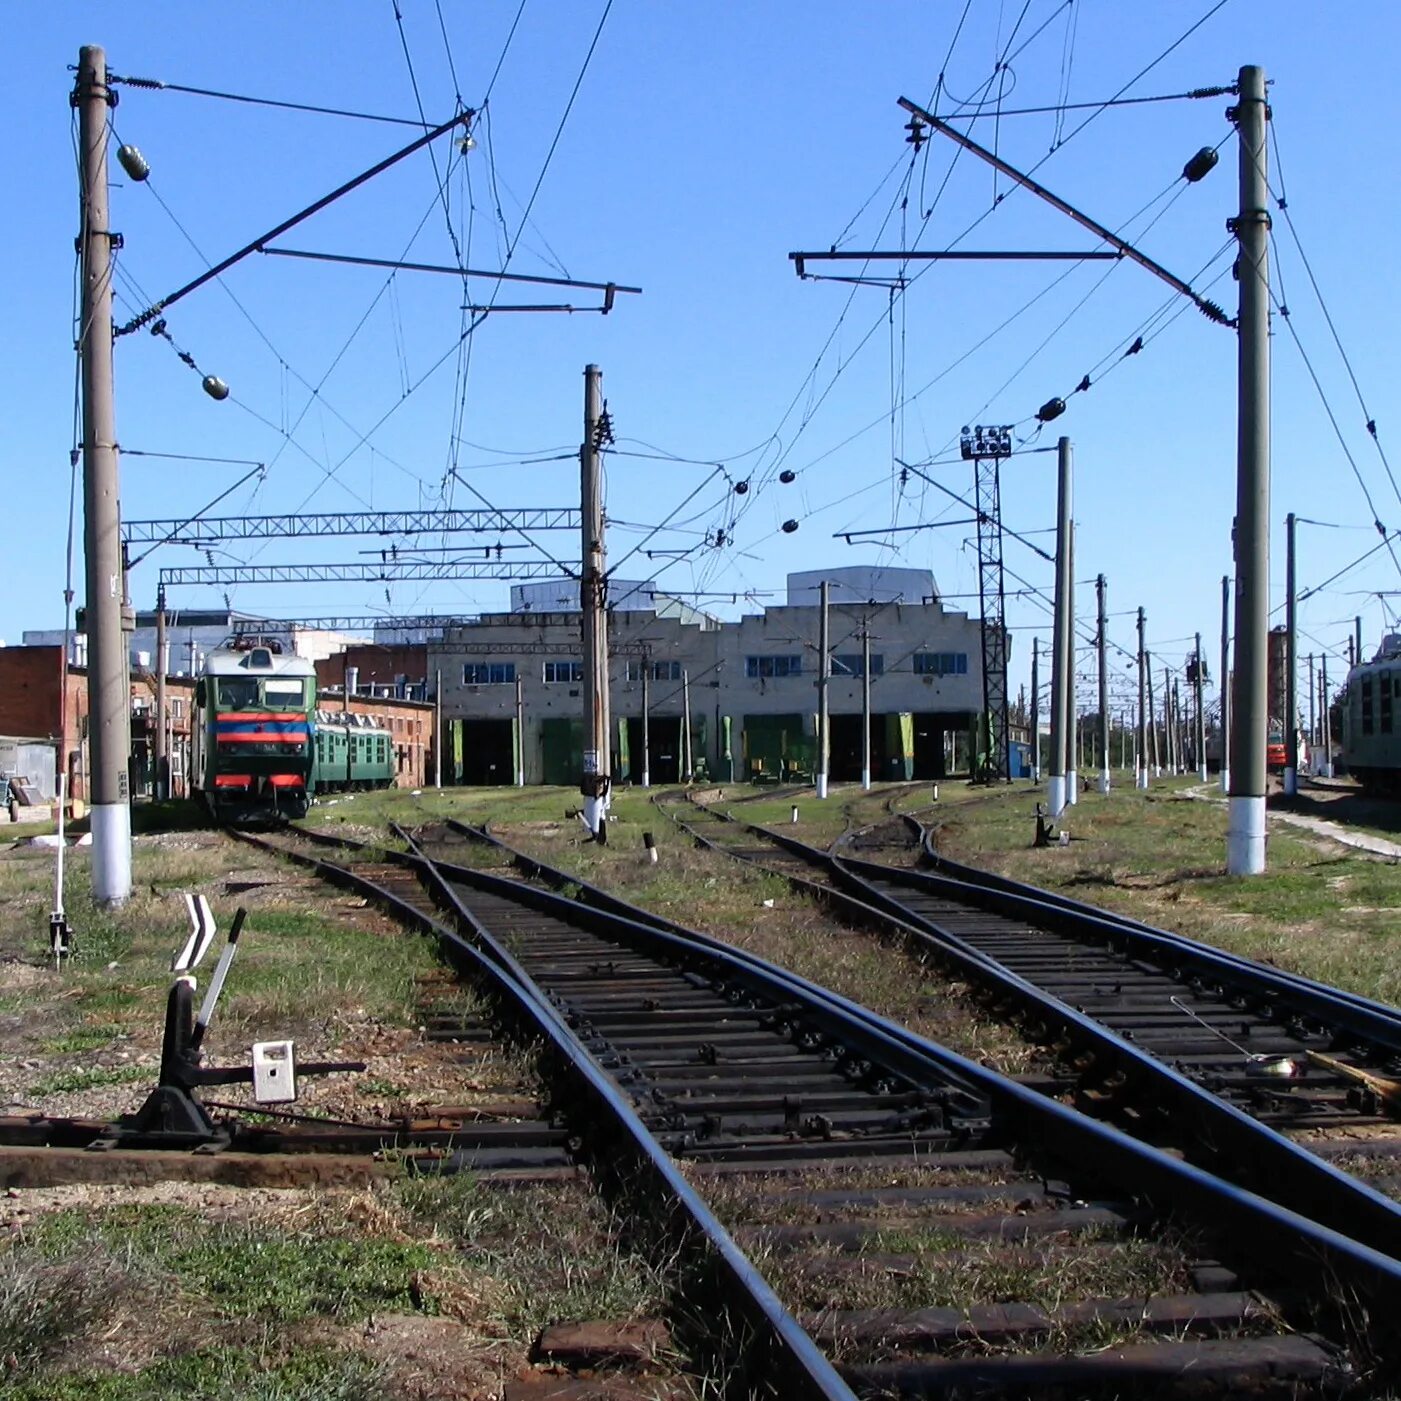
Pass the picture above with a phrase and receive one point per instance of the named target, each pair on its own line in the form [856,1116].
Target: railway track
[1173,1041]
[896,1221]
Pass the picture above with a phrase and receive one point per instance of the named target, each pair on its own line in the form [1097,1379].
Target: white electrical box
[274,1072]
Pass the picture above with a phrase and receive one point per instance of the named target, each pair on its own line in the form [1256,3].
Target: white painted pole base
[1245,837]
[865,778]
[822,785]
[1226,781]
[1072,788]
[593,813]
[111,853]
[1140,778]
[1055,795]
[1201,772]
[1104,780]
[1291,782]
[646,779]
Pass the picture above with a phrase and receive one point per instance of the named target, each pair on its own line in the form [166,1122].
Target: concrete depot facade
[752,690]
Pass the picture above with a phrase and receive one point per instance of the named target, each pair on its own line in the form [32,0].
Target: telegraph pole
[1103,646]
[1313,697]
[594,783]
[1225,683]
[1291,667]
[1035,710]
[1201,716]
[1152,717]
[162,774]
[866,706]
[646,724]
[1357,649]
[1245,840]
[1062,647]
[824,672]
[109,699]
[1141,766]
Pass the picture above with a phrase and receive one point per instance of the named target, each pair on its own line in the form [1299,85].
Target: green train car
[350,753]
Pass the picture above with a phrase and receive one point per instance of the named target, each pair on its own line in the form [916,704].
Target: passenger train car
[261,749]
[1371,706]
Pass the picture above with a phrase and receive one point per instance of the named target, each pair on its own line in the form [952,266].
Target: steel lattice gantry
[360,573]
[987,447]
[198,532]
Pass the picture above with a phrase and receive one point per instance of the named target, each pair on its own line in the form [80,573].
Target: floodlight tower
[985,446]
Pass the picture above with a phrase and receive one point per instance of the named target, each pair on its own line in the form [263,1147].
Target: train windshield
[238,693]
[282,694]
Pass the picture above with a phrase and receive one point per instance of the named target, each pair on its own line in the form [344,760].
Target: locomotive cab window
[284,694]
[1385,708]
[1365,685]
[238,693]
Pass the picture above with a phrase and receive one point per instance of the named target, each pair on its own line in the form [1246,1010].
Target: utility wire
[156,85]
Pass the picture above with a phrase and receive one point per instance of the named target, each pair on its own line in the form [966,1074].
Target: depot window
[488,673]
[768,667]
[563,673]
[941,663]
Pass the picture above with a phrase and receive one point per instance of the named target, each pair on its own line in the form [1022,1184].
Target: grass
[64,1082]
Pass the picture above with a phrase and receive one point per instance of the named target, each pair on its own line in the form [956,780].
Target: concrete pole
[824,673]
[1327,722]
[594,782]
[646,723]
[1245,840]
[438,729]
[1141,762]
[1291,665]
[109,698]
[866,707]
[1225,684]
[1313,698]
[1103,648]
[688,767]
[1169,759]
[352,680]
[520,733]
[1357,650]
[1153,755]
[1062,650]
[1201,715]
[1036,710]
[162,774]
[1072,699]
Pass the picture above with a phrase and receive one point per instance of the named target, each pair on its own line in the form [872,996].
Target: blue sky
[704,144]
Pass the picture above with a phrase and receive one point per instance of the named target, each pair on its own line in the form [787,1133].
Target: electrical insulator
[789,527]
[1052,408]
[215,387]
[1201,165]
[741,488]
[787,475]
[133,162]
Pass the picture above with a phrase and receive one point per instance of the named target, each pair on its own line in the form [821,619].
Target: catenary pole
[1062,648]
[646,723]
[1036,710]
[1327,721]
[438,728]
[688,767]
[824,672]
[1245,840]
[866,706]
[1357,633]
[1291,663]
[594,783]
[1226,706]
[1153,719]
[1102,645]
[1072,707]
[1201,714]
[162,768]
[109,702]
[520,733]
[1313,699]
[1141,764]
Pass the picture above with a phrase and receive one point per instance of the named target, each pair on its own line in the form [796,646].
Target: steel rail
[1235,1144]
[787,1357]
[1265,1231]
[972,876]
